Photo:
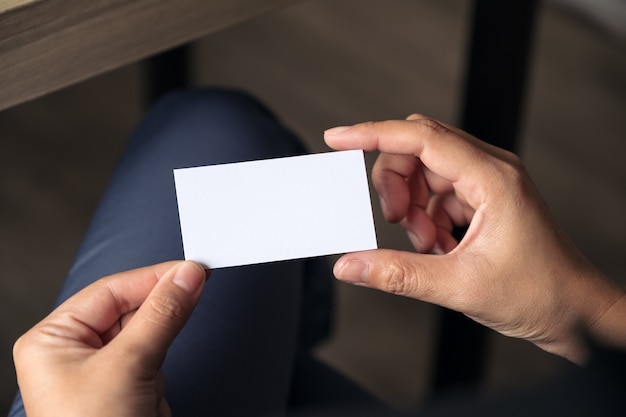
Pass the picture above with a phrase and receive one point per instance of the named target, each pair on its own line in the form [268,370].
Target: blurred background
[318,64]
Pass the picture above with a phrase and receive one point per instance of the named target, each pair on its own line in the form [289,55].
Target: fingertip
[207,273]
[339,264]
[352,270]
[189,276]
[205,270]
[332,136]
[389,215]
[384,208]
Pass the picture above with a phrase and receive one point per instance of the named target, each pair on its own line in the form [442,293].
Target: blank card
[275,209]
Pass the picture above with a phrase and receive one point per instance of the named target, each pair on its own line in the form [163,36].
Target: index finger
[441,149]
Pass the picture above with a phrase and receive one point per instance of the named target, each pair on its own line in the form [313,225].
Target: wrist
[608,328]
[602,320]
[591,312]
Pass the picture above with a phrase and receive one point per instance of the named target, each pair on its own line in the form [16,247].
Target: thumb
[424,277]
[152,329]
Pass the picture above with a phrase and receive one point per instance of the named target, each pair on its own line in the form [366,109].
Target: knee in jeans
[229,102]
[223,119]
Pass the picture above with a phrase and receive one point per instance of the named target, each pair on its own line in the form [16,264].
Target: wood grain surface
[46,45]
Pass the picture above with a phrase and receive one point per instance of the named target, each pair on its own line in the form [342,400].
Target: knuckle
[431,125]
[398,278]
[513,164]
[371,125]
[165,308]
[512,171]
[371,129]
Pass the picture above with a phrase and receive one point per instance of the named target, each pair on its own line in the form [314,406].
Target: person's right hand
[514,271]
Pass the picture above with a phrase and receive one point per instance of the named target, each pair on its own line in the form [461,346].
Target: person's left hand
[100,352]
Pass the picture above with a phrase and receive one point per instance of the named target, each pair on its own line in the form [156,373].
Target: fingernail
[189,277]
[336,130]
[352,271]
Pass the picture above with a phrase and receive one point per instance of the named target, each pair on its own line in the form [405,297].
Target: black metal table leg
[495,82]
[167,71]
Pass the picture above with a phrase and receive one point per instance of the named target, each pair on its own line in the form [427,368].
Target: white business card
[275,209]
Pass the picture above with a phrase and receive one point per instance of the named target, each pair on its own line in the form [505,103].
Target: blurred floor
[320,64]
